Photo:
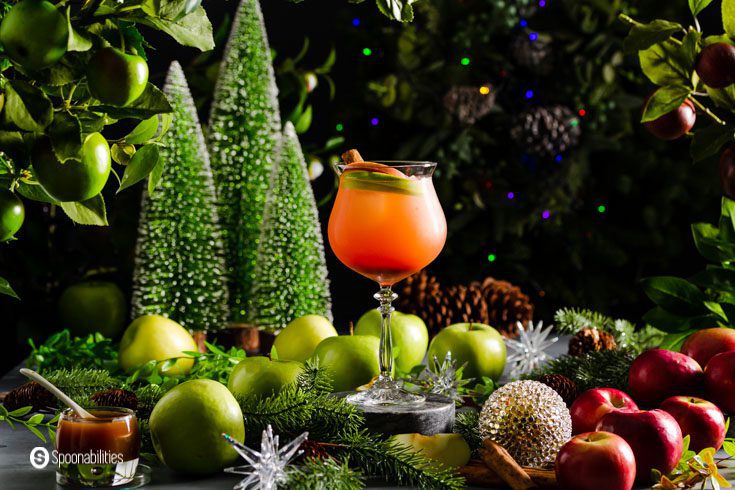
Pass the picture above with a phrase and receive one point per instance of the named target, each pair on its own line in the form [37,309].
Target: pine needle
[81,382]
[607,368]
[467,424]
[323,474]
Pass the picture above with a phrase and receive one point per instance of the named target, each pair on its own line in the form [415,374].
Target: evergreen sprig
[467,424]
[572,320]
[394,463]
[81,383]
[61,350]
[608,368]
[323,474]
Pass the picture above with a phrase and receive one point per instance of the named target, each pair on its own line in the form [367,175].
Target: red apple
[705,344]
[589,407]
[719,381]
[700,419]
[658,374]
[595,461]
[674,124]
[653,435]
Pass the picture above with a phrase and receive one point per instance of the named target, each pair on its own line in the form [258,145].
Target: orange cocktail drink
[386,224]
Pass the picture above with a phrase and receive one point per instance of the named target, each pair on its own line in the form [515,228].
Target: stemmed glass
[386,224]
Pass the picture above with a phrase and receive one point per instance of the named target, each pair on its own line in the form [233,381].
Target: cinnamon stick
[352,156]
[501,462]
[477,473]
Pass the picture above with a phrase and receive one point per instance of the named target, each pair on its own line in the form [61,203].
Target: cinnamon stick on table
[352,156]
[477,473]
[501,462]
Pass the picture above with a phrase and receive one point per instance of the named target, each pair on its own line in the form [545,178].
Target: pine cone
[566,387]
[531,52]
[591,340]
[116,397]
[30,393]
[546,131]
[314,449]
[496,303]
[468,104]
[506,305]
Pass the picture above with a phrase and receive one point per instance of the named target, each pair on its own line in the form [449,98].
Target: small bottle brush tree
[291,272]
[244,130]
[179,264]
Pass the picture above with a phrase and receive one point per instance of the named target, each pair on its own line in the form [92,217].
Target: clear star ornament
[445,379]
[528,349]
[266,469]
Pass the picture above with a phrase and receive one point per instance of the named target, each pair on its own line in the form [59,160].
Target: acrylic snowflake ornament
[528,349]
[266,469]
[443,379]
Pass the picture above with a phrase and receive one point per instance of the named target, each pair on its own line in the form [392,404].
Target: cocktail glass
[386,224]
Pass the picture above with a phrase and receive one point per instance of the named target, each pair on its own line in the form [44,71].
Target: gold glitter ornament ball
[529,419]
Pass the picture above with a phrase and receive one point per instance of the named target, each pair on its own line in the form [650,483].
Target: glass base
[386,393]
[141,478]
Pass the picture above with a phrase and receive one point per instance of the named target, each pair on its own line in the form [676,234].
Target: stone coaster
[435,416]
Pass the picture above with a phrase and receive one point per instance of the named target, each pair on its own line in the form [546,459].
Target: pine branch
[81,383]
[572,320]
[608,368]
[323,474]
[394,463]
[467,424]
[148,396]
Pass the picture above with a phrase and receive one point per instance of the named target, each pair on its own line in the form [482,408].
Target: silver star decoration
[528,350]
[266,469]
[443,379]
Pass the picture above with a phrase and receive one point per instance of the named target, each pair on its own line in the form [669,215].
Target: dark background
[644,232]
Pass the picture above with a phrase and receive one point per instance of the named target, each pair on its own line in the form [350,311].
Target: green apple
[408,332]
[115,77]
[187,424]
[262,377]
[352,360]
[449,450]
[298,340]
[12,214]
[480,346]
[34,34]
[94,306]
[77,179]
[155,337]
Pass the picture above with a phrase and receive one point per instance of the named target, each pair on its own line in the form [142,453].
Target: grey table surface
[16,472]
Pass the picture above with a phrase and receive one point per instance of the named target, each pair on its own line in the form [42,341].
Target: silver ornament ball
[529,419]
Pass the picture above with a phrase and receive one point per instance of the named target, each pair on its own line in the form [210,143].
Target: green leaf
[35,192]
[400,10]
[717,278]
[35,419]
[690,48]
[145,130]
[723,97]
[716,308]
[663,101]
[19,412]
[708,141]
[6,289]
[696,6]
[66,136]
[274,353]
[673,341]
[328,63]
[665,64]
[674,294]
[27,106]
[168,364]
[151,102]
[729,447]
[36,432]
[155,176]
[89,212]
[122,153]
[672,323]
[643,36]
[75,41]
[709,245]
[304,122]
[193,29]
[728,17]
[142,163]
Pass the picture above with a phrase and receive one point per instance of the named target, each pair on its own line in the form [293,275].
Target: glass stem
[386,296]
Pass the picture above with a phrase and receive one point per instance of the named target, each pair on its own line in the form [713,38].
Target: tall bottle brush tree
[291,272]
[244,130]
[179,264]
